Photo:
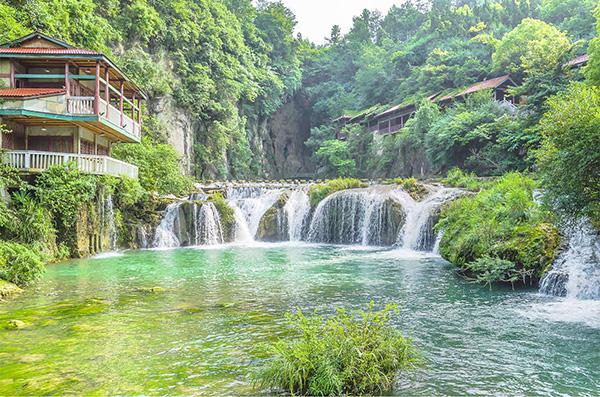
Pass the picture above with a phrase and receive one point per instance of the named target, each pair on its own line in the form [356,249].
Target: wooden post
[12,75]
[106,90]
[97,90]
[121,103]
[67,83]
[139,104]
[95,143]
[133,107]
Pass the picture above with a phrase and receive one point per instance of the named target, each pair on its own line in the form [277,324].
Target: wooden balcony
[34,162]
[81,110]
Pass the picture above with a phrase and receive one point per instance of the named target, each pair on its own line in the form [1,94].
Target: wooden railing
[80,105]
[34,161]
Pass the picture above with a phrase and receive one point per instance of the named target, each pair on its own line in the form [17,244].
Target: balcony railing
[34,161]
[80,105]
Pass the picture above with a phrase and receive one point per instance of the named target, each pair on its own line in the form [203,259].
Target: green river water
[94,327]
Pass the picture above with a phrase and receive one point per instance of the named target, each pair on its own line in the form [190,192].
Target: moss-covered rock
[273,224]
[500,234]
[8,290]
[16,324]
[227,215]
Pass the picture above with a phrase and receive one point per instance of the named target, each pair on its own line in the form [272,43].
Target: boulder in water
[16,324]
[8,289]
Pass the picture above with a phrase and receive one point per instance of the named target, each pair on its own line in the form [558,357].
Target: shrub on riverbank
[466,180]
[319,191]
[349,354]
[19,264]
[500,234]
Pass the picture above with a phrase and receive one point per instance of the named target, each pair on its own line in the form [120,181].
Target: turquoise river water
[191,321]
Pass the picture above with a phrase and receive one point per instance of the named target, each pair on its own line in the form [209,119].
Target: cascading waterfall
[251,203]
[357,216]
[189,223]
[576,272]
[377,215]
[297,209]
[417,233]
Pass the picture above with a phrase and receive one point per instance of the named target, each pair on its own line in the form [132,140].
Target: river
[192,321]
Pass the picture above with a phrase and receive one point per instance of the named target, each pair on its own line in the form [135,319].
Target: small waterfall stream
[576,272]
[297,209]
[112,228]
[417,233]
[251,203]
[189,223]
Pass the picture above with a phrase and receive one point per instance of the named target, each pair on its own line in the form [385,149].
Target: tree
[532,46]
[338,157]
[569,159]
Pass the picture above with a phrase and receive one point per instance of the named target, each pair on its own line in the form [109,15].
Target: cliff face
[288,129]
[277,142]
[178,128]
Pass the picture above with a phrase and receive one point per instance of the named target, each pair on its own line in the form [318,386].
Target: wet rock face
[8,289]
[273,225]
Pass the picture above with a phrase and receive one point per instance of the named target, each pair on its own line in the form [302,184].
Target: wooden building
[392,120]
[64,104]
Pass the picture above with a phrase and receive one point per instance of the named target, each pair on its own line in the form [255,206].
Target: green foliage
[226,214]
[349,354]
[411,186]
[158,164]
[500,223]
[337,156]
[19,264]
[63,190]
[128,192]
[319,191]
[531,46]
[592,71]
[467,180]
[32,222]
[569,158]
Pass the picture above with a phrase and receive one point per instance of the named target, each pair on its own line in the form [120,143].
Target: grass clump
[319,191]
[19,264]
[348,354]
[500,234]
[415,189]
[466,180]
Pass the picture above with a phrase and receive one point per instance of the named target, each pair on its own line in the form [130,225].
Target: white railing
[80,105]
[34,161]
[114,116]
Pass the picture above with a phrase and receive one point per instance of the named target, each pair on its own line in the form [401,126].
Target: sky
[316,17]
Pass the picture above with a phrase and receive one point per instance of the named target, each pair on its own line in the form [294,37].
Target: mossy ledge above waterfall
[501,234]
[321,190]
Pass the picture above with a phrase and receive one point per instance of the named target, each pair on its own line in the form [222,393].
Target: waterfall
[417,233]
[357,216]
[297,209]
[189,223]
[165,235]
[576,272]
[112,229]
[252,203]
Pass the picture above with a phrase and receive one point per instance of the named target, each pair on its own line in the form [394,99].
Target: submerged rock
[16,324]
[150,290]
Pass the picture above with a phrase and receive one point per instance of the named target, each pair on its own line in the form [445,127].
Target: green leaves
[353,353]
[500,234]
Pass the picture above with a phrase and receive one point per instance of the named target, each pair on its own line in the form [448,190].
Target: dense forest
[246,86]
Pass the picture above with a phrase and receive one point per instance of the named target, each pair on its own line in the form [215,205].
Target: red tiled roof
[47,51]
[482,85]
[580,60]
[28,92]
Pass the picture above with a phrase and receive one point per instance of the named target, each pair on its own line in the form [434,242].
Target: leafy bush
[158,164]
[19,264]
[63,190]
[467,180]
[128,192]
[338,157]
[319,191]
[500,223]
[354,354]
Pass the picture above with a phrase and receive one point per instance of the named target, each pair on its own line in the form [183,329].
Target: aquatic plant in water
[350,353]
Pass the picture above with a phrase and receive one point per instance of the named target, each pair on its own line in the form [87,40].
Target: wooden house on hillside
[394,119]
[64,104]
